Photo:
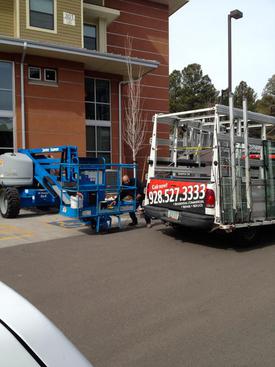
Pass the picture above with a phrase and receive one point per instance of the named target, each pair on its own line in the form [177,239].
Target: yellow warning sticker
[1,162]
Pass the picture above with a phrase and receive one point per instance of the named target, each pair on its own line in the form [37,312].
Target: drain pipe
[23,118]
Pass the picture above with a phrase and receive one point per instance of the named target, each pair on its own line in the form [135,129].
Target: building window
[98,140]
[90,37]
[50,75]
[43,75]
[97,99]
[34,73]
[98,116]
[42,14]
[6,107]
[6,134]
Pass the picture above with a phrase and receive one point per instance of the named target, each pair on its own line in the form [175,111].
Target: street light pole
[236,14]
[229,55]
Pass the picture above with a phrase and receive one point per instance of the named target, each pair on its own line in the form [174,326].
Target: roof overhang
[92,60]
[93,12]
[174,5]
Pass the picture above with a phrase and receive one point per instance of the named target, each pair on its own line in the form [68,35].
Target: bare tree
[134,129]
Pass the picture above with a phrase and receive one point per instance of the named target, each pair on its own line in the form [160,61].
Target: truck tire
[9,202]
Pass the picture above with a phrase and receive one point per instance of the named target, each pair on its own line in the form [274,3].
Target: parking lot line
[10,232]
[74,223]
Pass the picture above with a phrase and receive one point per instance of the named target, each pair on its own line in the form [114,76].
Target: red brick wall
[55,115]
[147,23]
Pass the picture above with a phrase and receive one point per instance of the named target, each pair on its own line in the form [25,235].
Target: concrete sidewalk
[36,226]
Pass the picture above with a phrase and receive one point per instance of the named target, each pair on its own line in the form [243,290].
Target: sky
[198,34]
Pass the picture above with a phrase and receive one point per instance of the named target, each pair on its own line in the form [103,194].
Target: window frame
[43,81]
[96,121]
[100,123]
[44,75]
[97,152]
[97,35]
[40,72]
[41,29]
[10,113]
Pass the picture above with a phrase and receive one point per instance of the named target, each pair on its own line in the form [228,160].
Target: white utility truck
[216,171]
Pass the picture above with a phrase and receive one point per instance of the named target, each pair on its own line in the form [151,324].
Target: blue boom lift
[81,187]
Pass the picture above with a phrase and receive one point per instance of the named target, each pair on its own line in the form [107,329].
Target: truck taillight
[209,198]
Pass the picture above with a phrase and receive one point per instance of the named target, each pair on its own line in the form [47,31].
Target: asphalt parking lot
[153,297]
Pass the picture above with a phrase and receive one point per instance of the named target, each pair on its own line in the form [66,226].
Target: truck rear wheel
[9,202]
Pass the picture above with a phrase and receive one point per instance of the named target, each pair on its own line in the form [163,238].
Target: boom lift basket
[82,188]
[93,188]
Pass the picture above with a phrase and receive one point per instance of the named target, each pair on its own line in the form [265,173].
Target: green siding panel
[6,18]
[66,34]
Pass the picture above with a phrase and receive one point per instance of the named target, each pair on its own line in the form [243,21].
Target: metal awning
[92,60]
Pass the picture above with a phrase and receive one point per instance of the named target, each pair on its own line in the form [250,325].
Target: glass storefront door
[6,107]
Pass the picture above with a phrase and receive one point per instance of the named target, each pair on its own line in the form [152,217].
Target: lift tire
[9,202]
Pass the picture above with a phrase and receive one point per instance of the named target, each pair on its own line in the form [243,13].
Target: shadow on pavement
[115,229]
[220,240]
[34,212]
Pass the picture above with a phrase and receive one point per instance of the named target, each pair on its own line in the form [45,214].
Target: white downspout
[23,118]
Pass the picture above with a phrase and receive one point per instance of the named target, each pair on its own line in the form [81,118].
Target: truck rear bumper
[187,219]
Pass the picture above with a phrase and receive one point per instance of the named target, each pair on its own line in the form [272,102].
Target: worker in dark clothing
[139,197]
